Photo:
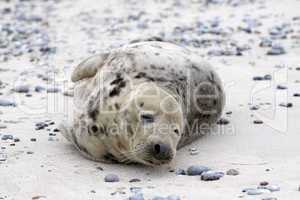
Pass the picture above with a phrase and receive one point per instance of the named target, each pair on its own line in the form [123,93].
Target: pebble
[281,87]
[211,175]
[40,125]
[256,191]
[111,178]
[287,105]
[196,170]
[6,103]
[258,121]
[180,171]
[33,139]
[223,121]
[273,188]
[276,50]
[134,180]
[232,172]
[16,140]
[264,183]
[269,198]
[39,88]
[137,196]
[53,90]
[296,95]
[22,89]
[7,137]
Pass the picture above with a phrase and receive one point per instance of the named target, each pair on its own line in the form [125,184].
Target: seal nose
[161,151]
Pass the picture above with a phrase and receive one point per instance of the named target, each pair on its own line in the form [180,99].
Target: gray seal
[141,102]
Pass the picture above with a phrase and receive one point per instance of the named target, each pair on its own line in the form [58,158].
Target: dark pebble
[263,183]
[196,170]
[287,105]
[180,172]
[16,140]
[39,88]
[258,122]
[296,95]
[281,87]
[33,139]
[134,180]
[223,121]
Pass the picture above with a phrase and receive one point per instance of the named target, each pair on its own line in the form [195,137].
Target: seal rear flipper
[89,67]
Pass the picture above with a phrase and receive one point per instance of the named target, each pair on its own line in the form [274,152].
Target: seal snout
[161,151]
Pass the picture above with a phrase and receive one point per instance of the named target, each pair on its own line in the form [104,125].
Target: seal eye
[176,131]
[94,128]
[147,118]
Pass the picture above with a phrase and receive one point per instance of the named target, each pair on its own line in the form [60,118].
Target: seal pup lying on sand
[141,102]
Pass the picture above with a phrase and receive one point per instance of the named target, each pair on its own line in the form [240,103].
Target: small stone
[137,196]
[53,90]
[276,49]
[287,105]
[135,189]
[134,180]
[232,172]
[173,197]
[267,77]
[111,178]
[30,152]
[33,139]
[22,89]
[269,198]
[223,121]
[228,113]
[264,183]
[256,191]
[273,188]
[281,87]
[7,103]
[7,137]
[254,107]
[258,78]
[16,140]
[258,121]
[211,175]
[180,172]
[158,198]
[296,95]
[196,170]
[39,88]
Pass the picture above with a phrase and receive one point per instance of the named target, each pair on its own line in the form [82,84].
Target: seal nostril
[157,148]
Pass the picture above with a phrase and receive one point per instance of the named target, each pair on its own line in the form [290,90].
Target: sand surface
[53,169]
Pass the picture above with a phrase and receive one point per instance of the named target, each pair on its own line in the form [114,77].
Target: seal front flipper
[89,67]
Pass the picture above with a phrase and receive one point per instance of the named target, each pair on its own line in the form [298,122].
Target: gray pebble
[269,198]
[273,188]
[258,121]
[39,88]
[180,172]
[256,191]
[281,87]
[53,90]
[232,172]
[111,178]
[211,175]
[196,170]
[173,197]
[22,89]
[7,137]
[6,103]
[276,50]
[296,95]
[137,196]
